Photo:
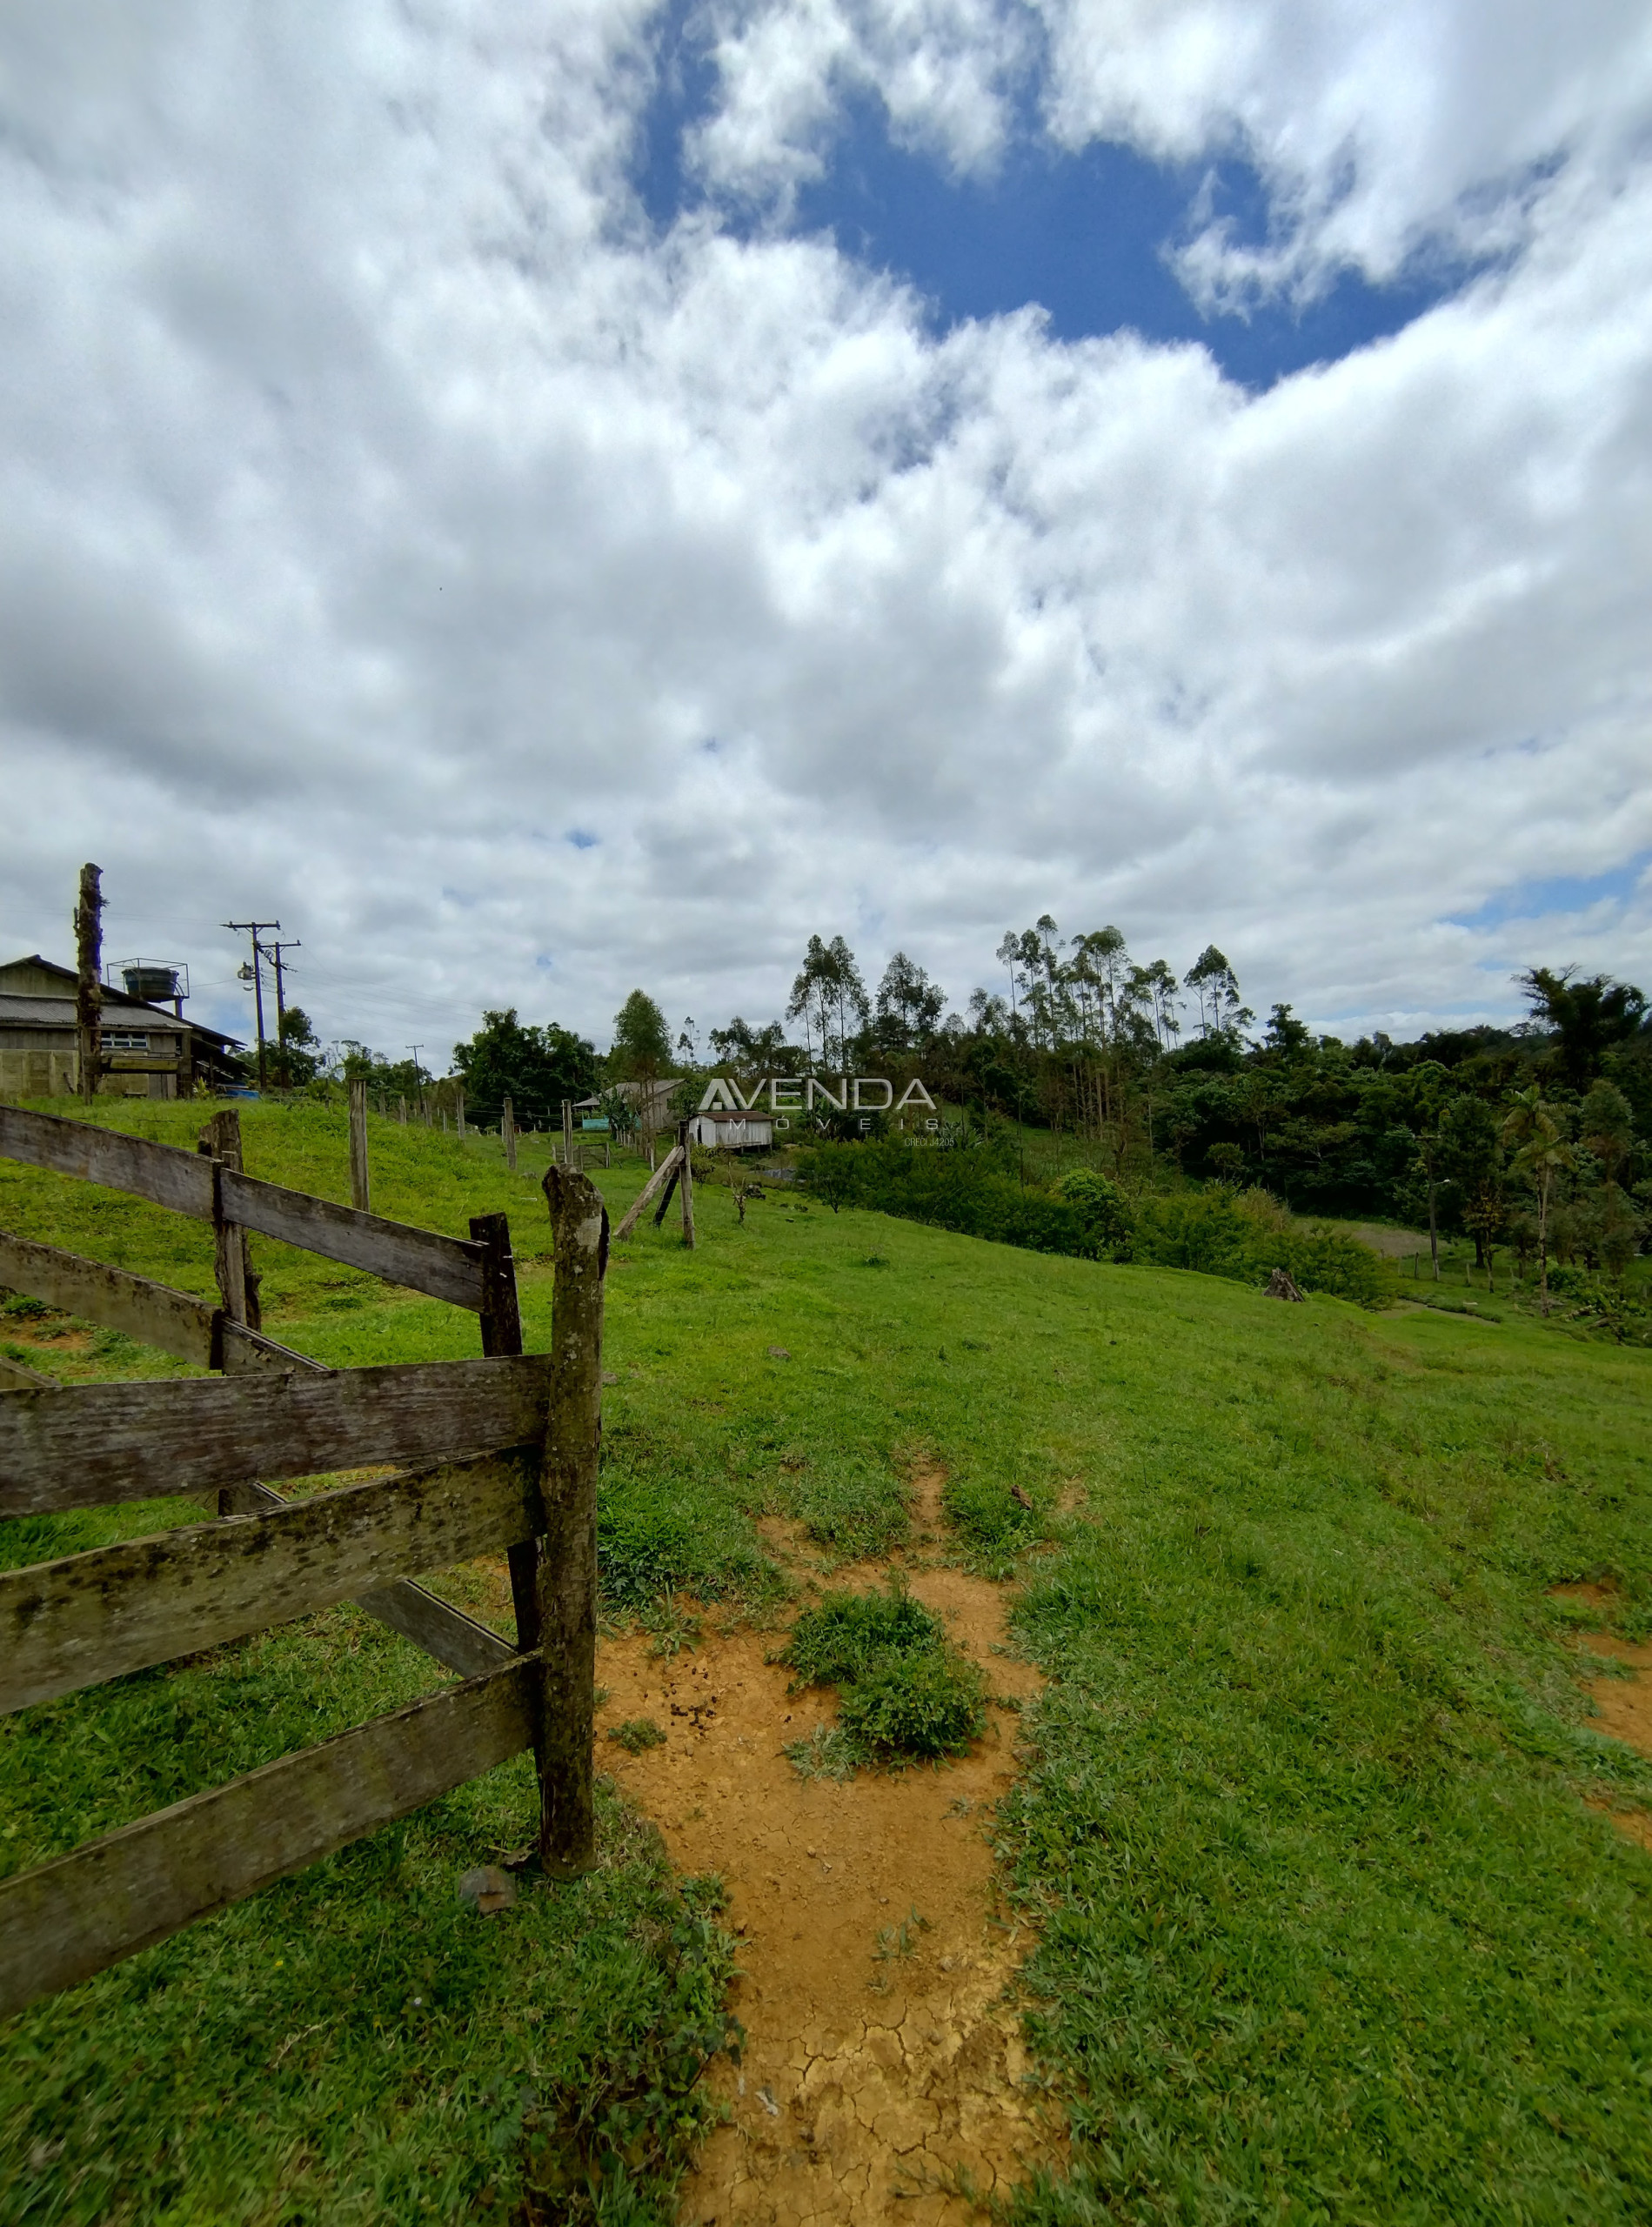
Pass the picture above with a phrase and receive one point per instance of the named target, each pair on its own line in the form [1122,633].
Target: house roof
[59,1013]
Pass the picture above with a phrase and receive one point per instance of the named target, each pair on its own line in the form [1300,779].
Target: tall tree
[849,993]
[642,1041]
[1213,982]
[535,1068]
[811,996]
[1534,1127]
[1589,1012]
[1606,1128]
[909,1006]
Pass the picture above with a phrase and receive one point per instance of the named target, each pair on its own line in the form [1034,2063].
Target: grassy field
[1329,1930]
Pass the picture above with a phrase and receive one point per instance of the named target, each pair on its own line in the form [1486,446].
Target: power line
[253,929]
[276,949]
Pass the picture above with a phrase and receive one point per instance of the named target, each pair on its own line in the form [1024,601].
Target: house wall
[47,1070]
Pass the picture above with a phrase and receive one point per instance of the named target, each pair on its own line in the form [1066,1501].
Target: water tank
[152,983]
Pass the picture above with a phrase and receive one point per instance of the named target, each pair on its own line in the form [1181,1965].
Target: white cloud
[380,502]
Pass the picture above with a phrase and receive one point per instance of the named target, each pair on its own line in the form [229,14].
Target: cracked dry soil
[881,2061]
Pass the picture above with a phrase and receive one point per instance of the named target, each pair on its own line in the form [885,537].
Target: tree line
[1531,1136]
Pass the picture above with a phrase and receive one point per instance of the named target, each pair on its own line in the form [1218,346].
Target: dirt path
[879,2057]
[1623,1705]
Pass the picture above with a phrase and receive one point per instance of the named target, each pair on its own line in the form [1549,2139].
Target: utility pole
[419,1072]
[89,994]
[252,928]
[275,951]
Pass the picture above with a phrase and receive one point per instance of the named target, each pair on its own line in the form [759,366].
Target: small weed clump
[905,1693]
[637,1735]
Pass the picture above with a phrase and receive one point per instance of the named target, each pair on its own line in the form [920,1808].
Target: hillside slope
[1329,1929]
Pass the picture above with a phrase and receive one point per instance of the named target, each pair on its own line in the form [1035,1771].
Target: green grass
[1328,1932]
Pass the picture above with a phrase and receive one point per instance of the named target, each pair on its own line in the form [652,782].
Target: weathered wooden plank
[182,1180]
[565,1589]
[87,1444]
[152,1313]
[456,1640]
[238,1286]
[361,1187]
[14,1377]
[422,1259]
[441,1629]
[662,1174]
[64,1921]
[84,1618]
[240,1350]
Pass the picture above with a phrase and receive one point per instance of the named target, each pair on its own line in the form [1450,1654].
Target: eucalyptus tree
[1213,982]
[811,995]
[909,1006]
[848,995]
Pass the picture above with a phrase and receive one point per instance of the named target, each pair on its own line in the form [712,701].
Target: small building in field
[150,1052]
[723,1132]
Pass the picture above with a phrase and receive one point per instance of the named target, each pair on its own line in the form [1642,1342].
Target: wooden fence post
[458,1097]
[88,991]
[507,1131]
[401,1111]
[688,1185]
[566,1579]
[360,1185]
[567,1132]
[238,1286]
[502,1333]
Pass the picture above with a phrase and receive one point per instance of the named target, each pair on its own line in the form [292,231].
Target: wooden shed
[723,1132]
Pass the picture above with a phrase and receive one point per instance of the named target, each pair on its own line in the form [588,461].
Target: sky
[547,499]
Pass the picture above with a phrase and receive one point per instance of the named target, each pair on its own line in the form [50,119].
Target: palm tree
[1533,1126]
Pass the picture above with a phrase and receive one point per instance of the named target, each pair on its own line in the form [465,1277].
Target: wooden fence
[503,1452]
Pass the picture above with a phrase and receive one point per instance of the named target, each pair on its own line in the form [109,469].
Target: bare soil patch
[1623,1706]
[883,2073]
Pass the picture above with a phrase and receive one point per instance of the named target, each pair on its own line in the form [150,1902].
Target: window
[115,1041]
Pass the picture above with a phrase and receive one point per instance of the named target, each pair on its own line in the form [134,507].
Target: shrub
[925,1705]
[840,1640]
[903,1691]
[1218,1230]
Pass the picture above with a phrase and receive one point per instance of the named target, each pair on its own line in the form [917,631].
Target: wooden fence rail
[91,1616]
[152,1313]
[508,1448]
[87,1445]
[64,1921]
[189,1183]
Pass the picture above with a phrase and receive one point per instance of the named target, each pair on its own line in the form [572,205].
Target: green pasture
[1329,1930]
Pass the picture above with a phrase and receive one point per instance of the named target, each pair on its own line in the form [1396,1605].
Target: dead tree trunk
[89,995]
[360,1183]
[566,1585]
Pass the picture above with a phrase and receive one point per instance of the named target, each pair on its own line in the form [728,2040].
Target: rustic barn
[151,1052]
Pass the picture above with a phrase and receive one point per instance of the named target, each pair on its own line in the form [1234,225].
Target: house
[150,1053]
[723,1132]
[650,1101]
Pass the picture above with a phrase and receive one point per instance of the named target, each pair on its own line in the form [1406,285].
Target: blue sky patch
[582,839]
[1085,236]
[1562,893]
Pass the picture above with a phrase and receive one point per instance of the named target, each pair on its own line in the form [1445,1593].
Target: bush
[841,1639]
[1217,1231]
[903,1691]
[925,1705]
